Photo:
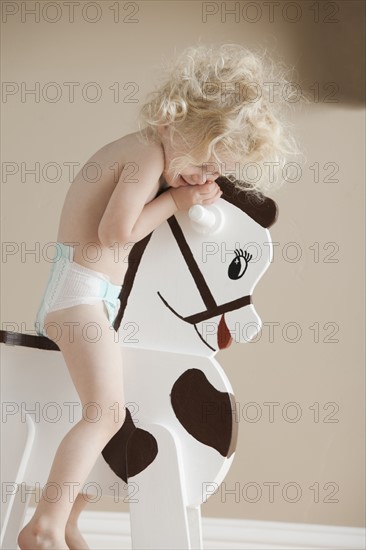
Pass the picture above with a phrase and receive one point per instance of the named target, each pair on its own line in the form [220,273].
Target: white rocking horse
[186,293]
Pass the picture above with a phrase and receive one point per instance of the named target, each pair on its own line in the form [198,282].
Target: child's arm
[129,217]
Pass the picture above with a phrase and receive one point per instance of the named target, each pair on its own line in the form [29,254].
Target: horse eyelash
[246,255]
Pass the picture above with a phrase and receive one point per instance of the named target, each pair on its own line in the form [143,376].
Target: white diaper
[70,284]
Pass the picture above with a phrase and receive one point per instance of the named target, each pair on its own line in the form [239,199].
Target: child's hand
[187,196]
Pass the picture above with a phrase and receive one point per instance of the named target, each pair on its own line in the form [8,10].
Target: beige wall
[321,294]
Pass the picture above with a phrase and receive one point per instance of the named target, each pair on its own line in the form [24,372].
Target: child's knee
[110,417]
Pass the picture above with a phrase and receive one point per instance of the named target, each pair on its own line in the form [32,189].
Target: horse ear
[261,209]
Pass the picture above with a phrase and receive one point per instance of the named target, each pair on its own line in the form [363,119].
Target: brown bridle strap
[199,279]
[213,312]
[212,309]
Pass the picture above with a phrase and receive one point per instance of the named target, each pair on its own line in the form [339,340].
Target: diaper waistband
[64,251]
[67,251]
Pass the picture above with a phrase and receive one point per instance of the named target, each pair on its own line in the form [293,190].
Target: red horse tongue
[224,338]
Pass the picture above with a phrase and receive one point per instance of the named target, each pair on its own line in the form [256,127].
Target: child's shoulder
[138,146]
[131,148]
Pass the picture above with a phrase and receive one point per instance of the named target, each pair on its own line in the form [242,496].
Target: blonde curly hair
[226,102]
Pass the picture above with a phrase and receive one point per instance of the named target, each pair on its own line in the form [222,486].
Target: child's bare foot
[36,537]
[74,539]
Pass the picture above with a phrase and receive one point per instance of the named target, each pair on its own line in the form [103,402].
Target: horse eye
[239,265]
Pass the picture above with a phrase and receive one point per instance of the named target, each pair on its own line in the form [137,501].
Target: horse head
[188,287]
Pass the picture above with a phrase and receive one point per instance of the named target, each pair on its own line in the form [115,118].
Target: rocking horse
[187,290]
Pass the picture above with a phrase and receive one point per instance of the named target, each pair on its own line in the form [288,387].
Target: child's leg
[74,539]
[95,366]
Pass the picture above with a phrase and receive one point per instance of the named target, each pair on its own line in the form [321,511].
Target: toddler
[210,116]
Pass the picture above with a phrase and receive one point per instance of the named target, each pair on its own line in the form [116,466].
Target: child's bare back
[91,191]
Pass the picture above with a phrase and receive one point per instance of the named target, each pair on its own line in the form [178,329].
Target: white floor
[111,531]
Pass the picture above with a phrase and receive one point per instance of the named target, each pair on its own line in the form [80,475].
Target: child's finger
[212,199]
[211,186]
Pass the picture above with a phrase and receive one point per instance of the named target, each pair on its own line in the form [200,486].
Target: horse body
[191,297]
